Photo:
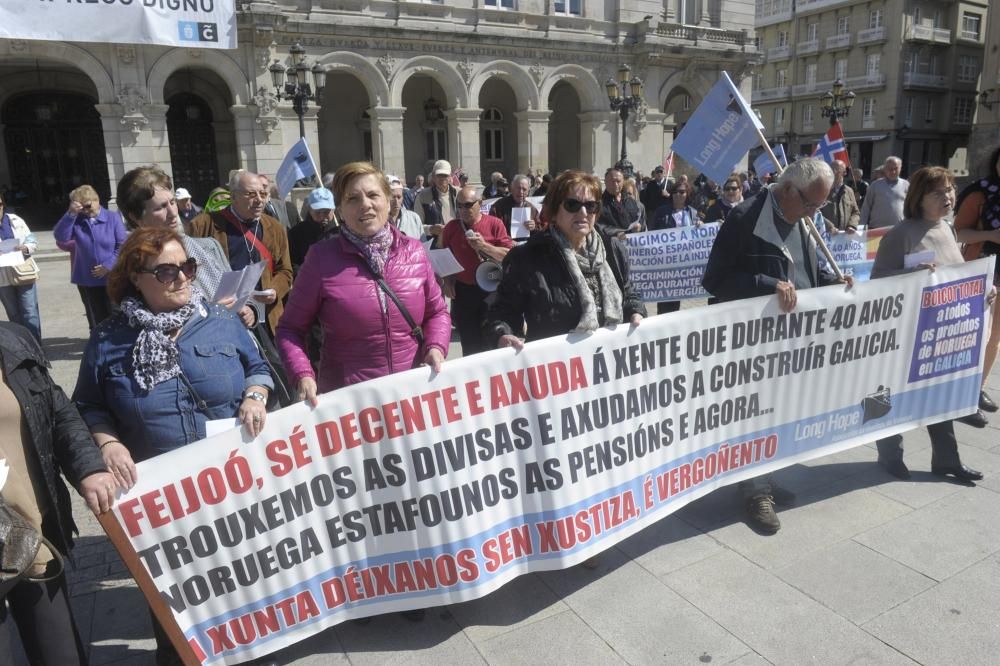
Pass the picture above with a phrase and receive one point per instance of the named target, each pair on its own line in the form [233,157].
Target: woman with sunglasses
[732,196]
[676,212]
[569,278]
[165,363]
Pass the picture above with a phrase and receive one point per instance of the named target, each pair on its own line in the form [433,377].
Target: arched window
[491,124]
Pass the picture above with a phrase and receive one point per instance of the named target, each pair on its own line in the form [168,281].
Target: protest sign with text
[416,490]
[667,265]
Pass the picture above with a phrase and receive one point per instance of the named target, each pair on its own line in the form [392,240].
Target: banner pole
[813,231]
[164,616]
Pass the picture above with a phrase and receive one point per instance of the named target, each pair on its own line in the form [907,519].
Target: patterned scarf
[375,248]
[990,187]
[155,357]
[600,295]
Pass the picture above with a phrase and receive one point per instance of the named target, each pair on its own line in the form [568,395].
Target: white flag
[297,165]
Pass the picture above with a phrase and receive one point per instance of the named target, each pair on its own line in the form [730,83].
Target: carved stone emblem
[386,63]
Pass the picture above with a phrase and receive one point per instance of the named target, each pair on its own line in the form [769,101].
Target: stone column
[598,141]
[532,140]
[463,141]
[651,148]
[387,139]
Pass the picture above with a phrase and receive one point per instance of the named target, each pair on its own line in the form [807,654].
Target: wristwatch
[255,395]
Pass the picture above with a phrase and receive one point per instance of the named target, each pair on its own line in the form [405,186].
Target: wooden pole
[109,521]
[813,231]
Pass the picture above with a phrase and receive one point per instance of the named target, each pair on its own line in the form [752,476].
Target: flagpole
[813,231]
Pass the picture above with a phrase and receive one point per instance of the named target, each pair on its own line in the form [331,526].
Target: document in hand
[518,218]
[239,284]
[444,262]
[9,254]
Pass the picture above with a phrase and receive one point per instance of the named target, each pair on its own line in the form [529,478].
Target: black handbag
[19,544]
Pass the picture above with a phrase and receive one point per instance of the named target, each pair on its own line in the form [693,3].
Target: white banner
[415,490]
[209,24]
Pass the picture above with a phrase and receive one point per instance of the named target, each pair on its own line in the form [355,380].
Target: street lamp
[625,96]
[292,83]
[836,104]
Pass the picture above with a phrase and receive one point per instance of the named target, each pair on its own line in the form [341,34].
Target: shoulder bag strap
[415,331]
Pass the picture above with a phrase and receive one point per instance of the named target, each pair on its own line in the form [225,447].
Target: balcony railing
[813,5]
[925,33]
[865,81]
[766,94]
[811,87]
[696,33]
[925,80]
[838,41]
[779,53]
[769,13]
[868,122]
[870,35]
[805,48]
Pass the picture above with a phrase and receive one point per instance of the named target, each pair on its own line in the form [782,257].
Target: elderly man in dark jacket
[43,435]
[764,249]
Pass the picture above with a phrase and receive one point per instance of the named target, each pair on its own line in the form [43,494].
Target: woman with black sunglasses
[570,278]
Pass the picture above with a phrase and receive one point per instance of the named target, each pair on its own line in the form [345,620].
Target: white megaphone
[488,275]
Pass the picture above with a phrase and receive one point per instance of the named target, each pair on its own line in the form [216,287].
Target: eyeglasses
[731,189]
[263,195]
[807,205]
[167,273]
[468,205]
[574,205]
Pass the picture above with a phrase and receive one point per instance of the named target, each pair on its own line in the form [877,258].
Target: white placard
[444,262]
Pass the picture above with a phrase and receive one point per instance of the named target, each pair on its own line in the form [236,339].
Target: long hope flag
[209,24]
[416,489]
[720,131]
[297,165]
[832,146]
[764,164]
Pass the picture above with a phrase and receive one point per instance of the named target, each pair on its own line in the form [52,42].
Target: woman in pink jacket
[371,288]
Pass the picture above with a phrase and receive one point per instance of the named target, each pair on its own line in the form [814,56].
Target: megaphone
[488,275]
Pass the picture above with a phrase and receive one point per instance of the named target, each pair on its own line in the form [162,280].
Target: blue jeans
[21,304]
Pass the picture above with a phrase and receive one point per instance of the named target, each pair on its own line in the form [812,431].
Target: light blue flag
[763,163]
[297,165]
[720,132]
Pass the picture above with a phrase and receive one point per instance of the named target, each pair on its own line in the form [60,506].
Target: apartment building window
[437,144]
[491,120]
[840,69]
[929,111]
[964,108]
[873,64]
[917,15]
[807,116]
[908,112]
[812,32]
[779,117]
[968,68]
[500,4]
[686,103]
[970,25]
[568,7]
[875,18]
[781,78]
[687,11]
[811,74]
[782,38]
[868,109]
[844,25]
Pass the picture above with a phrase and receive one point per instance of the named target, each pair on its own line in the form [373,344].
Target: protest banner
[207,24]
[416,489]
[298,169]
[667,265]
[855,252]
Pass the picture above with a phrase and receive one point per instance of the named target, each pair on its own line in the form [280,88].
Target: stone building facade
[986,128]
[914,65]
[506,85]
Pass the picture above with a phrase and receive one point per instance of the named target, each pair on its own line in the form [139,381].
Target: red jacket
[336,288]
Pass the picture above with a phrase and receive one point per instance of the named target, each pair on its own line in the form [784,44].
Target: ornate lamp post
[293,84]
[625,96]
[836,104]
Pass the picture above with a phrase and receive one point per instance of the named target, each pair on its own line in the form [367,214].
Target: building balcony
[770,94]
[698,34]
[868,122]
[871,35]
[924,33]
[769,13]
[918,80]
[779,53]
[838,42]
[865,82]
[803,6]
[811,87]
[805,48]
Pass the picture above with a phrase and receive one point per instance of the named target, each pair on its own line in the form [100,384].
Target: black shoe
[416,615]
[760,513]
[976,419]
[897,468]
[959,471]
[986,402]
[782,496]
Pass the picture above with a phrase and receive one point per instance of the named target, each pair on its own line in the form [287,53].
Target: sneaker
[782,496]
[986,402]
[760,513]
[976,419]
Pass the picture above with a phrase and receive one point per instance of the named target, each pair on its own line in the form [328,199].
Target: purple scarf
[374,247]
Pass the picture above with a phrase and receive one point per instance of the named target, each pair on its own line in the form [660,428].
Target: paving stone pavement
[866,569]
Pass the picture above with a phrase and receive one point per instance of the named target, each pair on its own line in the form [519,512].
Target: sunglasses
[574,205]
[168,273]
[468,205]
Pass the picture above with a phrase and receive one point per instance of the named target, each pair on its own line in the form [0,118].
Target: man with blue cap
[314,226]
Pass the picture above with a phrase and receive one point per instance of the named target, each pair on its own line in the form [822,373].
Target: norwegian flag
[668,164]
[832,146]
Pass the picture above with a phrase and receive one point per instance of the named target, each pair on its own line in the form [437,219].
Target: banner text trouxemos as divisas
[415,490]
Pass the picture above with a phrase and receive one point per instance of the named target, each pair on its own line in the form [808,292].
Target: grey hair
[803,173]
[517,178]
[892,158]
[235,176]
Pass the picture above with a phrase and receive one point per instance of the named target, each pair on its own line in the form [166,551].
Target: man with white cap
[186,208]
[314,226]
[405,220]
[436,204]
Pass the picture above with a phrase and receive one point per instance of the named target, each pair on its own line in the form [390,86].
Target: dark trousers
[44,622]
[668,306]
[468,311]
[944,445]
[96,303]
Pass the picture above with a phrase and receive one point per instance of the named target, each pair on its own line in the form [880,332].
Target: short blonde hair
[83,194]
[348,172]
